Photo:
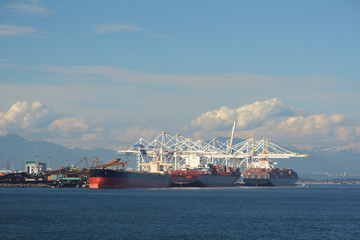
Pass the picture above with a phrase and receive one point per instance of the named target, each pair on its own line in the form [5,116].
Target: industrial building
[33,167]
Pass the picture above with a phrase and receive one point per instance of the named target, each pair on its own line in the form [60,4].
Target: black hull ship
[263,173]
[212,177]
[155,177]
[108,178]
[270,177]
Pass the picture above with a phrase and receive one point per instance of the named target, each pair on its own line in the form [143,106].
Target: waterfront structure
[192,162]
[33,167]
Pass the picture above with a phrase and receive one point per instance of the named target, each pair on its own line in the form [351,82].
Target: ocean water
[312,212]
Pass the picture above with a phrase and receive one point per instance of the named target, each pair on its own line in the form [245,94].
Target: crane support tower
[177,151]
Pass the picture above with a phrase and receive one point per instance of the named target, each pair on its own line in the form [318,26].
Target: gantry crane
[179,151]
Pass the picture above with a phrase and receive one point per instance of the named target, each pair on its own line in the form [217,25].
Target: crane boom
[111,163]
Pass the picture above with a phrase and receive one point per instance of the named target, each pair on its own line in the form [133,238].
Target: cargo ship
[196,171]
[218,176]
[263,173]
[153,175]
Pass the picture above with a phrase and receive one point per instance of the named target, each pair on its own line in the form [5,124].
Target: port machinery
[178,152]
[252,151]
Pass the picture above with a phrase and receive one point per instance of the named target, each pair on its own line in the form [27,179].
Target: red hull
[103,178]
[105,182]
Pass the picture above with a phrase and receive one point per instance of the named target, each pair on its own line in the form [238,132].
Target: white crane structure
[252,150]
[176,149]
[179,152]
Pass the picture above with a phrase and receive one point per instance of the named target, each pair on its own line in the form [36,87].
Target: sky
[106,73]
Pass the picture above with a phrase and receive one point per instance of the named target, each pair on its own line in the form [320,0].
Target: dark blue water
[313,212]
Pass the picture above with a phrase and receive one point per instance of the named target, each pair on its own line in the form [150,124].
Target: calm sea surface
[312,212]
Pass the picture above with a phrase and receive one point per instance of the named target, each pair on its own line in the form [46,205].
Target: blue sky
[91,73]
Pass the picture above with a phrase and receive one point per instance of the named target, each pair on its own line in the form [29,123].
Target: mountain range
[322,161]
[15,151]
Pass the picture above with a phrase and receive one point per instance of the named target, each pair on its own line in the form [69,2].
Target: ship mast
[232,137]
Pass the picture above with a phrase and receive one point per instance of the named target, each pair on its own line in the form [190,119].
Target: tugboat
[263,173]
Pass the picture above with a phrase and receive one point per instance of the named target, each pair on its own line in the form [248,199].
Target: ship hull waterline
[205,181]
[123,179]
[271,182]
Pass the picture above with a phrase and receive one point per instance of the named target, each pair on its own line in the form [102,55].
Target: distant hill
[22,150]
[321,160]
[17,150]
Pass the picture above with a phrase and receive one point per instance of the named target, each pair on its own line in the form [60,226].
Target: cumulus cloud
[271,119]
[357,131]
[248,116]
[133,133]
[310,125]
[24,115]
[314,129]
[69,125]
[37,120]
[343,133]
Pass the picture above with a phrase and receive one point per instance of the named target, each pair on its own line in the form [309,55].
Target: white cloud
[248,116]
[37,120]
[343,133]
[69,125]
[16,31]
[268,118]
[271,119]
[337,118]
[131,134]
[166,96]
[310,125]
[171,100]
[28,8]
[357,131]
[24,115]
[88,137]
[112,28]
[250,86]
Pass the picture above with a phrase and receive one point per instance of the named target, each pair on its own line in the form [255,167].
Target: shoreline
[24,185]
[43,185]
[329,182]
